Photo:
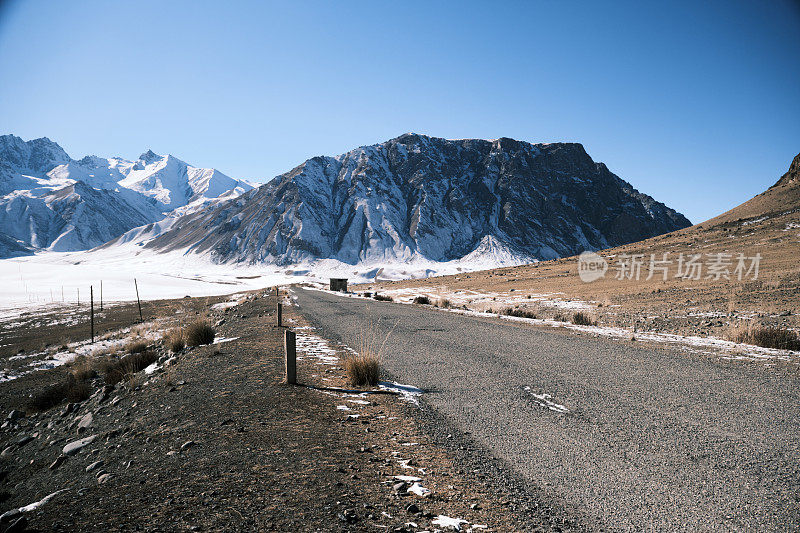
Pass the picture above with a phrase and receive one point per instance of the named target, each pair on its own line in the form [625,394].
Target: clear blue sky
[695,103]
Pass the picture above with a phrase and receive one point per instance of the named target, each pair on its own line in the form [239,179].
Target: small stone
[400,487]
[94,466]
[85,422]
[104,478]
[475,506]
[75,446]
[15,415]
[24,440]
[186,445]
[58,462]
[412,508]
[7,451]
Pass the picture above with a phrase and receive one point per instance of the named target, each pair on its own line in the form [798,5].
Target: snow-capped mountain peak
[47,198]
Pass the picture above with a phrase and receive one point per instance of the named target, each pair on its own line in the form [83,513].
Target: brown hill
[767,225]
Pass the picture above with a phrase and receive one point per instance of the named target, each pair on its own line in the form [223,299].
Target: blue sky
[694,103]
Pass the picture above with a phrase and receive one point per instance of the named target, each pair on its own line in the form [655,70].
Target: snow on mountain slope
[50,201]
[425,198]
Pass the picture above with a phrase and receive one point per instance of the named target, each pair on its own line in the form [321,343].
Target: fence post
[137,300]
[280,314]
[101,294]
[91,308]
[290,348]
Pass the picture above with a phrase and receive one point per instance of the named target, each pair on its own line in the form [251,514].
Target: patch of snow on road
[407,392]
[315,346]
[545,400]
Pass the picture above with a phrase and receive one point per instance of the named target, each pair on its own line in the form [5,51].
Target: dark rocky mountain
[425,197]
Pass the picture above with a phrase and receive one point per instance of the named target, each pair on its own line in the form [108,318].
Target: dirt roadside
[215,441]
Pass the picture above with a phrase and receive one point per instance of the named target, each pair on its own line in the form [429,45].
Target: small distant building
[339,284]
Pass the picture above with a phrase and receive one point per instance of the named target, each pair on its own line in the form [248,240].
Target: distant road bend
[637,438]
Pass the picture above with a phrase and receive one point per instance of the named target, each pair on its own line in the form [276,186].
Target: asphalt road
[648,438]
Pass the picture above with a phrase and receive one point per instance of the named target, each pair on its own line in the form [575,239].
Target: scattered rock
[7,451]
[400,488]
[104,478]
[15,415]
[94,466]
[412,508]
[24,440]
[58,462]
[348,515]
[85,422]
[186,445]
[75,446]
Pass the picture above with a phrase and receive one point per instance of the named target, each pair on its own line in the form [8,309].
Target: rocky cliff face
[438,199]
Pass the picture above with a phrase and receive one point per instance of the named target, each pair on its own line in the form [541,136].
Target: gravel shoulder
[625,436]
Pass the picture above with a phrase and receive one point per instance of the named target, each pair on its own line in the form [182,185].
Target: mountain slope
[766,227]
[425,197]
[50,201]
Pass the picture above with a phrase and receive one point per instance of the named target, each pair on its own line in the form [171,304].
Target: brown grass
[362,369]
[70,389]
[424,300]
[522,313]
[767,337]
[174,339]
[444,303]
[136,346]
[560,318]
[582,319]
[383,298]
[200,333]
[82,368]
[115,370]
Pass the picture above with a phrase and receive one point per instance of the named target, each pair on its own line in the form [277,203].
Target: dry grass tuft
[560,318]
[174,339]
[383,298]
[136,346]
[424,300]
[444,303]
[200,333]
[516,311]
[70,389]
[767,337]
[362,369]
[82,368]
[115,370]
[583,319]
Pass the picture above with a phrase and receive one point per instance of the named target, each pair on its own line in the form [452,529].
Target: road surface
[637,438]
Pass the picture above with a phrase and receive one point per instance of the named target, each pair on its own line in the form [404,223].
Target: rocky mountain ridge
[425,197]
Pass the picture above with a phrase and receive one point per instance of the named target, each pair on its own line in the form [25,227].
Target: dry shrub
[174,339]
[115,370]
[136,346]
[199,333]
[422,300]
[444,303]
[560,318]
[522,313]
[582,319]
[362,369]
[82,368]
[383,298]
[70,389]
[768,337]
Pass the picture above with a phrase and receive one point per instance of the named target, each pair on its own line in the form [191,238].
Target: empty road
[634,437]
